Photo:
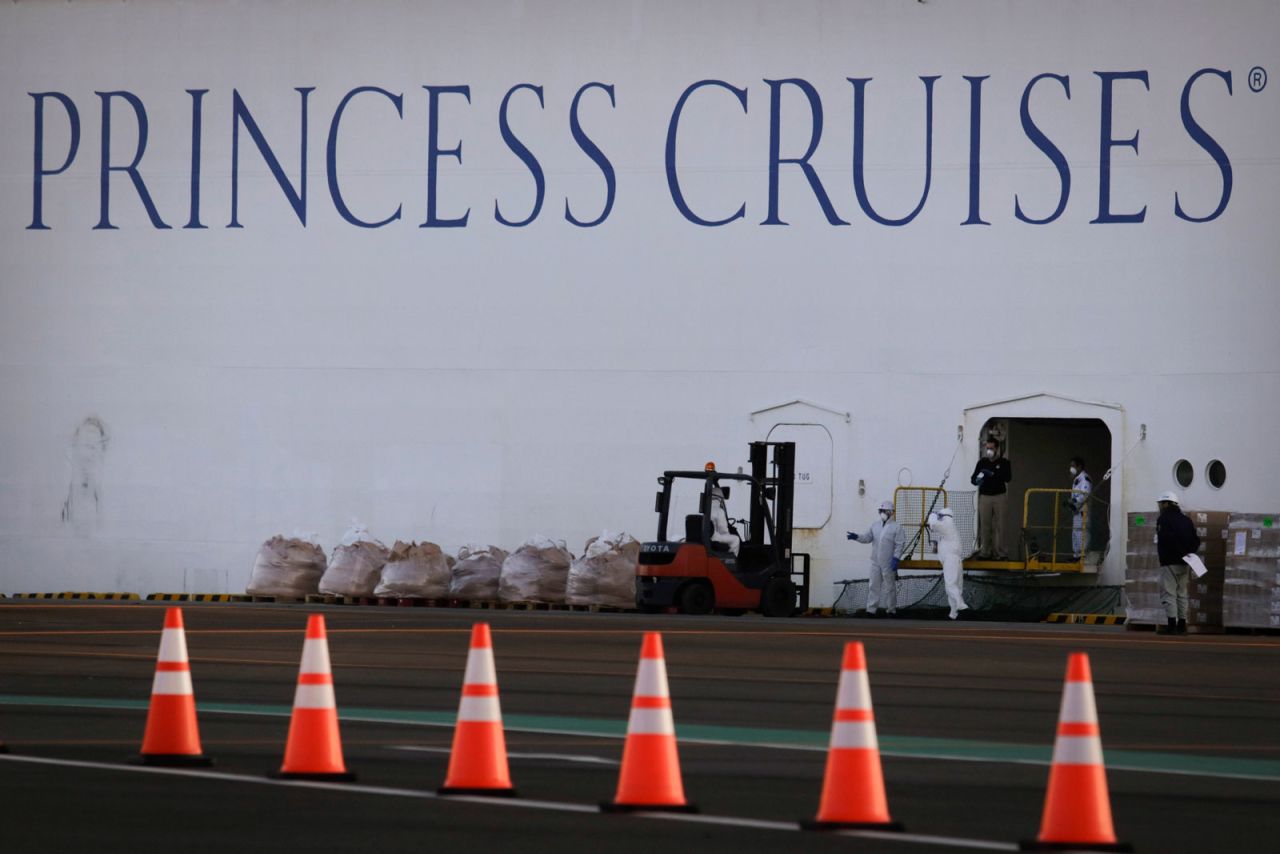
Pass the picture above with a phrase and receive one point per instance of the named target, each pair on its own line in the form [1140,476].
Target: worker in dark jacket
[991,475]
[1176,537]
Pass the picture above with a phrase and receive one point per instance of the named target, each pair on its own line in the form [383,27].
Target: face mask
[990,454]
[1073,471]
[884,514]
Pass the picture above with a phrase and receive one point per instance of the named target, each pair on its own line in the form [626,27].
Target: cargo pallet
[384,601]
[1213,630]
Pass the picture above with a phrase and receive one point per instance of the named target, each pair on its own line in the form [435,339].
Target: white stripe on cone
[315,656]
[651,722]
[1077,750]
[480,709]
[1077,704]
[314,697]
[480,669]
[173,646]
[854,734]
[172,682]
[651,678]
[854,691]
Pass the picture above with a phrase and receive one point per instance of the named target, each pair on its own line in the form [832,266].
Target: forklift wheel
[697,598]
[778,598]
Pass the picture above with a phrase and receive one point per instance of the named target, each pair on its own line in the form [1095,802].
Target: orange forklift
[704,572]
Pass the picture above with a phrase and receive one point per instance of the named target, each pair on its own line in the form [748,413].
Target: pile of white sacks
[539,570]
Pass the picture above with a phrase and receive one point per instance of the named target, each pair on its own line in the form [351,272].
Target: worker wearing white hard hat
[942,525]
[887,540]
[1176,538]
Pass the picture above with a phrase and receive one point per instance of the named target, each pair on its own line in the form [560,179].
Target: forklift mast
[781,482]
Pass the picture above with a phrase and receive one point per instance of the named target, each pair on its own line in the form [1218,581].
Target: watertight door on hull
[814,470]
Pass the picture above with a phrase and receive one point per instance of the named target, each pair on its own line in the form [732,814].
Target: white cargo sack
[475,573]
[535,572]
[415,571]
[287,567]
[355,566]
[606,572]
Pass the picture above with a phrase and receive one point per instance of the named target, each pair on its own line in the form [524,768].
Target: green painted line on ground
[789,739]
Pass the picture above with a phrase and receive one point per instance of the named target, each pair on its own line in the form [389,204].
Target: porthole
[1216,474]
[1183,473]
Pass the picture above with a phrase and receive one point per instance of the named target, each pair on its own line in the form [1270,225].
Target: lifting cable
[1142,436]
[946,474]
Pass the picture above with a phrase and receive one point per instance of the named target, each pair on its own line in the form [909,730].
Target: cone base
[891,826]
[486,793]
[610,806]
[1037,845]
[319,776]
[172,760]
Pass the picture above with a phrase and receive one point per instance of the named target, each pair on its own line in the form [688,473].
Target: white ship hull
[205,345]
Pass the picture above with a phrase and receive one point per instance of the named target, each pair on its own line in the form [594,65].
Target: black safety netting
[989,598]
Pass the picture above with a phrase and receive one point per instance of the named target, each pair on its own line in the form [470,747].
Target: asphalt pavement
[965,712]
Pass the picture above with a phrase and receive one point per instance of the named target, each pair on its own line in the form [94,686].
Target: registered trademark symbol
[1257,78]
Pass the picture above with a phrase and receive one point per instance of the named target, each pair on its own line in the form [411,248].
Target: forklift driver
[723,536]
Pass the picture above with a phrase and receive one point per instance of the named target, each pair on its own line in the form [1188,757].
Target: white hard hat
[886,505]
[946,511]
[1168,496]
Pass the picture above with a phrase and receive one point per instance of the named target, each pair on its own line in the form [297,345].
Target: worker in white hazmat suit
[1081,487]
[720,530]
[887,540]
[942,525]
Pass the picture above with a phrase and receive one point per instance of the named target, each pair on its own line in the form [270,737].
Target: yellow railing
[1048,528]
[911,507]
[1048,522]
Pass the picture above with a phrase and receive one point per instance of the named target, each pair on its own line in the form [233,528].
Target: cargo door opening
[1040,528]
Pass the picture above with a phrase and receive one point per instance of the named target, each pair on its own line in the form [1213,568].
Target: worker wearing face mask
[887,540]
[991,475]
[1081,487]
[943,528]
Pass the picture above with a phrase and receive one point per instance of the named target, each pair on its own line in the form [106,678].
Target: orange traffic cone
[650,775]
[478,761]
[1077,809]
[172,737]
[853,787]
[314,750]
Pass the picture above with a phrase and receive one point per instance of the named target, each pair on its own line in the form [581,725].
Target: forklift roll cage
[759,510]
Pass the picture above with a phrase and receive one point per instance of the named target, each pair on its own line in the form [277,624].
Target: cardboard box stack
[1142,572]
[1204,594]
[1251,587]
